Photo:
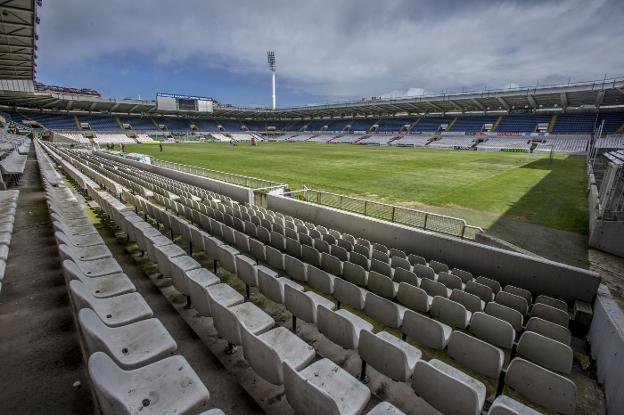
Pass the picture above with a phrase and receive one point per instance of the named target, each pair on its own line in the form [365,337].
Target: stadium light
[271,61]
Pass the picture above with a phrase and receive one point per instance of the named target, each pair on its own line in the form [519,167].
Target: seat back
[443,389]
[336,328]
[304,396]
[110,382]
[262,357]
[475,354]
[348,293]
[385,311]
[93,329]
[321,280]
[414,298]
[225,322]
[384,356]
[546,352]
[425,330]
[492,329]
[247,270]
[542,386]
[300,304]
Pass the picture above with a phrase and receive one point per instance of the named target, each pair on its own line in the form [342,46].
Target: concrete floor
[40,358]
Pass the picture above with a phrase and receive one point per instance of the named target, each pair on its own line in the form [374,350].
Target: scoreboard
[184,103]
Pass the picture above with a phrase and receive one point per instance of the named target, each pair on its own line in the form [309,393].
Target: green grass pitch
[471,184]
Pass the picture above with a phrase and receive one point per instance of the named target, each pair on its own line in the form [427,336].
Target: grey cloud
[350,48]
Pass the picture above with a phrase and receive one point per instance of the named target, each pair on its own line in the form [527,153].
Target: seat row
[12,167]
[8,205]
[301,305]
[131,355]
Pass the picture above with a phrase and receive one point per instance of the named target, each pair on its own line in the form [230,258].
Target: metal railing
[405,216]
[246,181]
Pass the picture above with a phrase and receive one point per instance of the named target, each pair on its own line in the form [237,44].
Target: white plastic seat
[476,354]
[94,268]
[549,329]
[349,294]
[86,253]
[546,352]
[266,352]
[100,287]
[323,388]
[492,329]
[113,311]
[383,310]
[385,408]
[426,331]
[388,354]
[504,405]
[131,346]
[447,389]
[341,326]
[168,386]
[164,255]
[303,305]
[272,286]
[228,320]
[542,386]
[180,266]
[450,312]
[198,281]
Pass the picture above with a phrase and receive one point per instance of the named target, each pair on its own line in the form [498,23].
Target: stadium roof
[585,96]
[18,38]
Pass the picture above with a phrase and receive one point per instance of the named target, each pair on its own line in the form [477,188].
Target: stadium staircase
[450,126]
[361,138]
[551,124]
[77,121]
[414,124]
[498,121]
[155,123]
[119,123]
[620,129]
[393,139]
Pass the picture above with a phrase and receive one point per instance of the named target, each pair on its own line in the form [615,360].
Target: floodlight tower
[271,60]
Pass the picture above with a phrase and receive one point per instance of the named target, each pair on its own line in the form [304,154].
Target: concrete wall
[607,236]
[606,336]
[236,192]
[536,274]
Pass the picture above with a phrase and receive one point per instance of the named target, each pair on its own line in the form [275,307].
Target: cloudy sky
[327,50]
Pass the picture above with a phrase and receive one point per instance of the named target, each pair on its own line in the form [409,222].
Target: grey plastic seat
[321,388]
[450,312]
[434,288]
[113,311]
[414,298]
[227,257]
[546,352]
[167,386]
[94,268]
[385,408]
[349,294]
[198,282]
[400,262]
[382,285]
[416,259]
[514,301]
[426,331]
[447,389]
[271,285]
[266,352]
[505,313]
[464,275]
[320,280]
[526,294]
[542,386]
[549,329]
[247,271]
[385,311]
[476,354]
[275,258]
[382,268]
[388,354]
[331,264]
[423,272]
[130,346]
[470,301]
[296,269]
[484,292]
[100,287]
[228,320]
[303,305]
[451,281]
[552,314]
[86,253]
[355,274]
[403,275]
[553,302]
[493,284]
[164,255]
[504,405]
[180,266]
[493,330]
[341,327]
